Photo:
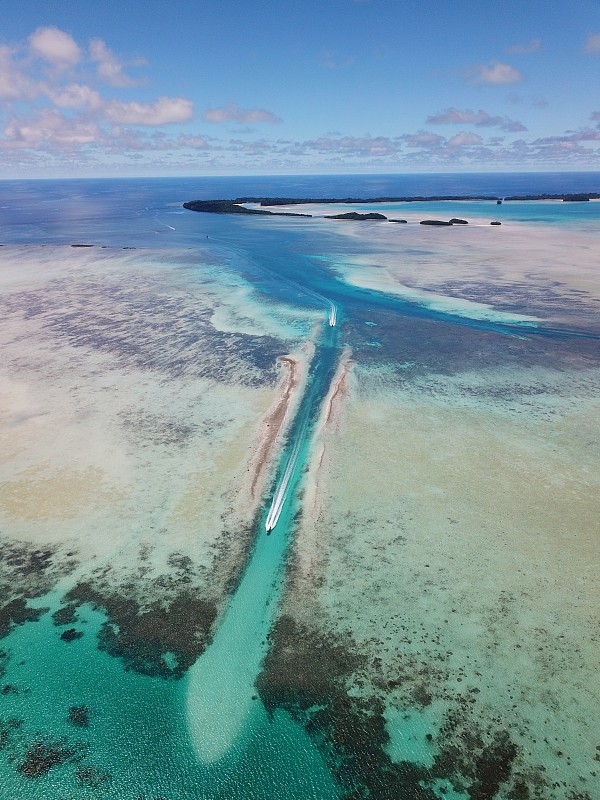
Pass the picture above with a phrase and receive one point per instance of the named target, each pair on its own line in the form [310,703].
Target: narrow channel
[232,735]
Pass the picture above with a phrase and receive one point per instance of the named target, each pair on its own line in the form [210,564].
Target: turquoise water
[123,740]
[138,737]
[550,212]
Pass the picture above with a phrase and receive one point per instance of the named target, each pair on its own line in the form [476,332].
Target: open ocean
[60,210]
[376,579]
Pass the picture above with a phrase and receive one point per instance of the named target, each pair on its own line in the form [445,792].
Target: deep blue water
[128,211]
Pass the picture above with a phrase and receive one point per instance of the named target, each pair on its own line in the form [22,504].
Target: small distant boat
[332,315]
[499,201]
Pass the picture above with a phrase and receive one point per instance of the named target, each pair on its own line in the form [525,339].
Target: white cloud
[582,135]
[423,139]
[454,116]
[58,116]
[55,46]
[75,95]
[494,73]
[355,145]
[530,47]
[194,142]
[233,113]
[50,129]
[464,139]
[14,84]
[165,111]
[592,43]
[109,68]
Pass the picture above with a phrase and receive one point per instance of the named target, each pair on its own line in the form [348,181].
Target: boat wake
[164,224]
[282,491]
[332,314]
[331,307]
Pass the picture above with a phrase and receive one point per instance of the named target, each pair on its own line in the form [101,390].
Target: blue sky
[199,87]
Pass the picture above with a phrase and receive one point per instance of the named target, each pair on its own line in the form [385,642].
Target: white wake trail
[282,490]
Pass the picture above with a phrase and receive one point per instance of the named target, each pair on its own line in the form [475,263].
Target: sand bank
[541,271]
[308,548]
[276,421]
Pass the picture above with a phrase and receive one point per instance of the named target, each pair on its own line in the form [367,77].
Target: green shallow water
[137,742]
[123,740]
[242,751]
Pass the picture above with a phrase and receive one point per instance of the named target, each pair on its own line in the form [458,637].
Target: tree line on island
[237,206]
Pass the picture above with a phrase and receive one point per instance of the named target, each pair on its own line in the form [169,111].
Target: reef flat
[473,538]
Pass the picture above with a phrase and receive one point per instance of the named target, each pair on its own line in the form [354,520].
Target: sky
[225,87]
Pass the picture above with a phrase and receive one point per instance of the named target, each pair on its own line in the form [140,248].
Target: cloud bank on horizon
[73,105]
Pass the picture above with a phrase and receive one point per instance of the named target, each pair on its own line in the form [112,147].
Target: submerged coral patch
[42,756]
[17,612]
[140,635]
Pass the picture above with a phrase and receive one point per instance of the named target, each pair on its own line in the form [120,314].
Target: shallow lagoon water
[456,439]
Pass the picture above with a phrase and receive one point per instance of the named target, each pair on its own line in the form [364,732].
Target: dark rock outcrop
[495,223]
[435,222]
[79,716]
[65,615]
[92,777]
[398,220]
[457,221]
[354,215]
[41,757]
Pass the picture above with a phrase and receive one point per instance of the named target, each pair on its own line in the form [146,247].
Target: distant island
[234,207]
[237,206]
[289,201]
